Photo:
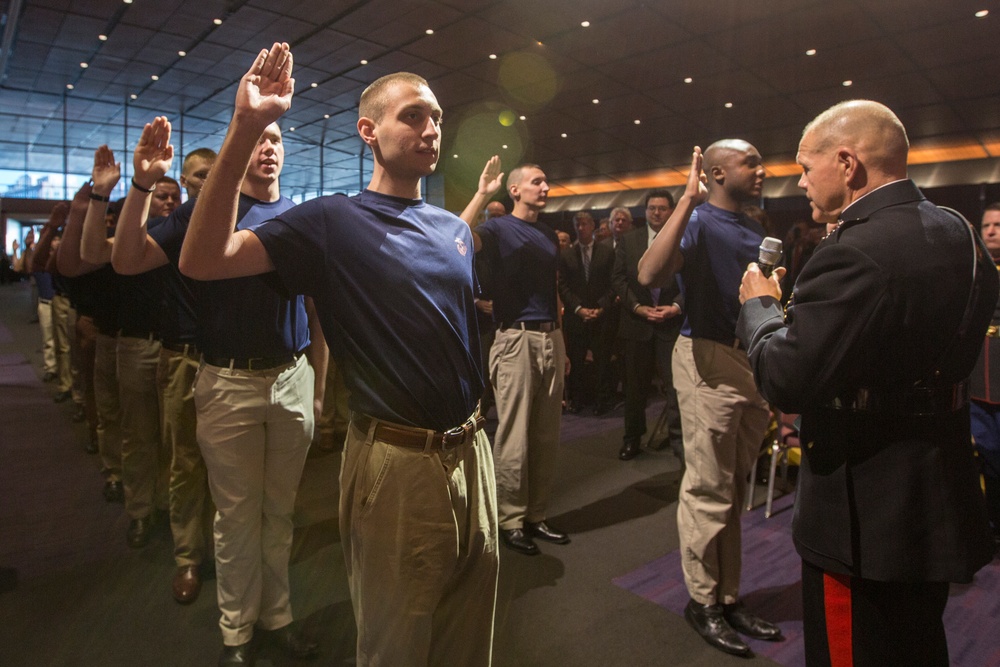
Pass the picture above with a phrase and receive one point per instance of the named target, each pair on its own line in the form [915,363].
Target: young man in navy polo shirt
[393,285]
[723,415]
[528,357]
[253,395]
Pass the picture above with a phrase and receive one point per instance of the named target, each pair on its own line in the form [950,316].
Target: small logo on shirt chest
[462,248]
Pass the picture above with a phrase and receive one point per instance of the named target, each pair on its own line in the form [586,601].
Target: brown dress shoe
[187,584]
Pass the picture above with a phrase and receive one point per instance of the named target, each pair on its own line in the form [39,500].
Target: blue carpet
[771,586]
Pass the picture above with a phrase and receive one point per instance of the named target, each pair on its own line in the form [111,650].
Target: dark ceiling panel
[932,61]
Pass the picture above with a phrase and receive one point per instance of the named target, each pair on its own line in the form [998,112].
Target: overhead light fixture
[504,146]
[523,117]
[455,155]
[182,53]
[69,86]
[982,13]
[637,121]
[563,135]
[155,78]
[128,2]
[847,83]
[103,38]
[688,79]
[729,105]
[134,96]
[217,21]
[595,101]
[429,31]
[326,115]
[364,62]
[811,52]
[291,129]
[84,65]
[314,85]
[585,24]
[493,56]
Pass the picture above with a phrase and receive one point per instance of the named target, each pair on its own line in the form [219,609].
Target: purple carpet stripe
[771,587]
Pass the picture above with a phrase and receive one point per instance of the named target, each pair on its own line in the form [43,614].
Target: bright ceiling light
[811,52]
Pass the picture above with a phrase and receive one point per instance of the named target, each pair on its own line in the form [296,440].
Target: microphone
[770,255]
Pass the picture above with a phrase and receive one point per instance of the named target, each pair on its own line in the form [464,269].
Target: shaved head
[376,96]
[721,153]
[869,128]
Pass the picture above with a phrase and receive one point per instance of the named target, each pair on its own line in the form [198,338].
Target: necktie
[586,263]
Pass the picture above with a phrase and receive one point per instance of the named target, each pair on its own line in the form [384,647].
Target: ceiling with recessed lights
[611,92]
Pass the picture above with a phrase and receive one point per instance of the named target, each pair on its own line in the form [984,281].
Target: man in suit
[886,321]
[587,295]
[649,325]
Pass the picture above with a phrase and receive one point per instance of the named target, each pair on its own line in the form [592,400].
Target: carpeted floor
[772,587]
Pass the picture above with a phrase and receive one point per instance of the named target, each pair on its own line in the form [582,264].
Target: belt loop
[232,363]
[429,444]
[372,425]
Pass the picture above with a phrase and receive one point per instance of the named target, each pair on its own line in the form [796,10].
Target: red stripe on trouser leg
[837,605]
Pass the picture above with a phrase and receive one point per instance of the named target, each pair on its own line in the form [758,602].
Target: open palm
[154,152]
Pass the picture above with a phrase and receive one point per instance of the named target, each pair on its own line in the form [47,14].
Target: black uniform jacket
[626,283]
[884,494]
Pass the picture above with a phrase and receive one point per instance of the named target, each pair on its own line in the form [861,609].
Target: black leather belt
[919,400]
[531,325]
[416,438]
[187,349]
[253,363]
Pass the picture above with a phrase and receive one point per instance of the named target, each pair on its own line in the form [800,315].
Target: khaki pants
[420,541]
[191,508]
[48,342]
[62,317]
[527,370]
[145,461]
[106,397]
[724,419]
[254,429]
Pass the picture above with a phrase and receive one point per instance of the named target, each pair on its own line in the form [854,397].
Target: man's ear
[850,167]
[366,128]
[718,174]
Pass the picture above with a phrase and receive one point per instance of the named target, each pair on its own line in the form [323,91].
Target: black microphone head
[770,251]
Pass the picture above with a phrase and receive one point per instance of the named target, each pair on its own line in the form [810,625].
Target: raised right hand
[154,153]
[265,91]
[107,172]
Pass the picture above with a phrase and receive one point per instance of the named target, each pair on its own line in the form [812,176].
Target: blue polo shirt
[393,285]
[717,246]
[523,259]
[239,317]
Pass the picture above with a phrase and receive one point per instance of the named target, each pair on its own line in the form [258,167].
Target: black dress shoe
[709,621]
[292,643]
[113,491]
[233,656]
[544,531]
[49,376]
[516,540]
[630,449]
[61,396]
[138,531]
[749,624]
